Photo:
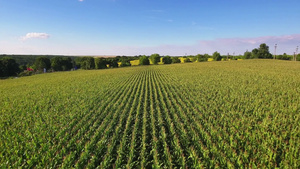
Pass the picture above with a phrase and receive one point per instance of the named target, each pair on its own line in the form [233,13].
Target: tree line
[24,65]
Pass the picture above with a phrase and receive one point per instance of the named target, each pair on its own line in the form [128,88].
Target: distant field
[196,115]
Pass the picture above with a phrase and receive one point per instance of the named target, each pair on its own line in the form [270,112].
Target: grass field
[242,114]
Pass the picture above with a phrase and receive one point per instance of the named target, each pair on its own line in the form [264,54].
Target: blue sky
[137,27]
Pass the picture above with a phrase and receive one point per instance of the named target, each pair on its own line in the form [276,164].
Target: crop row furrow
[116,101]
[114,155]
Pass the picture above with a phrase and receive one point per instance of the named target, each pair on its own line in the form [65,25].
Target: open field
[209,114]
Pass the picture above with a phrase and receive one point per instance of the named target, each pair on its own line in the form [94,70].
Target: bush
[25,73]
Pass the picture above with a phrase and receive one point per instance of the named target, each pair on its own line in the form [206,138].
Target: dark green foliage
[61,63]
[167,60]
[247,55]
[125,61]
[155,58]
[125,64]
[144,60]
[284,57]
[22,67]
[25,73]
[8,67]
[30,59]
[56,63]
[262,52]
[187,59]
[217,56]
[175,60]
[201,58]
[113,62]
[298,57]
[100,63]
[67,63]
[192,58]
[87,63]
[254,54]
[42,63]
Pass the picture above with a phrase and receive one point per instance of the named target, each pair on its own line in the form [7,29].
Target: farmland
[243,114]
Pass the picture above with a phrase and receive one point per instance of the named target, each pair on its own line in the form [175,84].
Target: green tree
[175,60]
[100,63]
[59,63]
[56,63]
[263,51]
[112,62]
[144,60]
[87,63]
[201,58]
[217,56]
[187,59]
[155,58]
[284,57]
[125,61]
[8,67]
[67,63]
[192,58]
[42,63]
[247,55]
[167,60]
[254,54]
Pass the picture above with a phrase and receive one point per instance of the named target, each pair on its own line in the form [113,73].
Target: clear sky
[137,27]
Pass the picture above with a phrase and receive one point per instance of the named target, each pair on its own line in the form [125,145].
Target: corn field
[234,114]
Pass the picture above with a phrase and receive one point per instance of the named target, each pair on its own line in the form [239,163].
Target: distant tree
[217,56]
[207,55]
[175,60]
[186,59]
[67,63]
[254,54]
[112,62]
[56,63]
[118,58]
[42,63]
[263,51]
[247,55]
[192,58]
[8,67]
[144,60]
[59,63]
[155,58]
[2,69]
[298,57]
[87,63]
[167,60]
[201,58]
[125,61]
[283,57]
[100,63]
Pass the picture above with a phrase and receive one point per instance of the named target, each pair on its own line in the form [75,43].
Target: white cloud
[35,35]
[80,0]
